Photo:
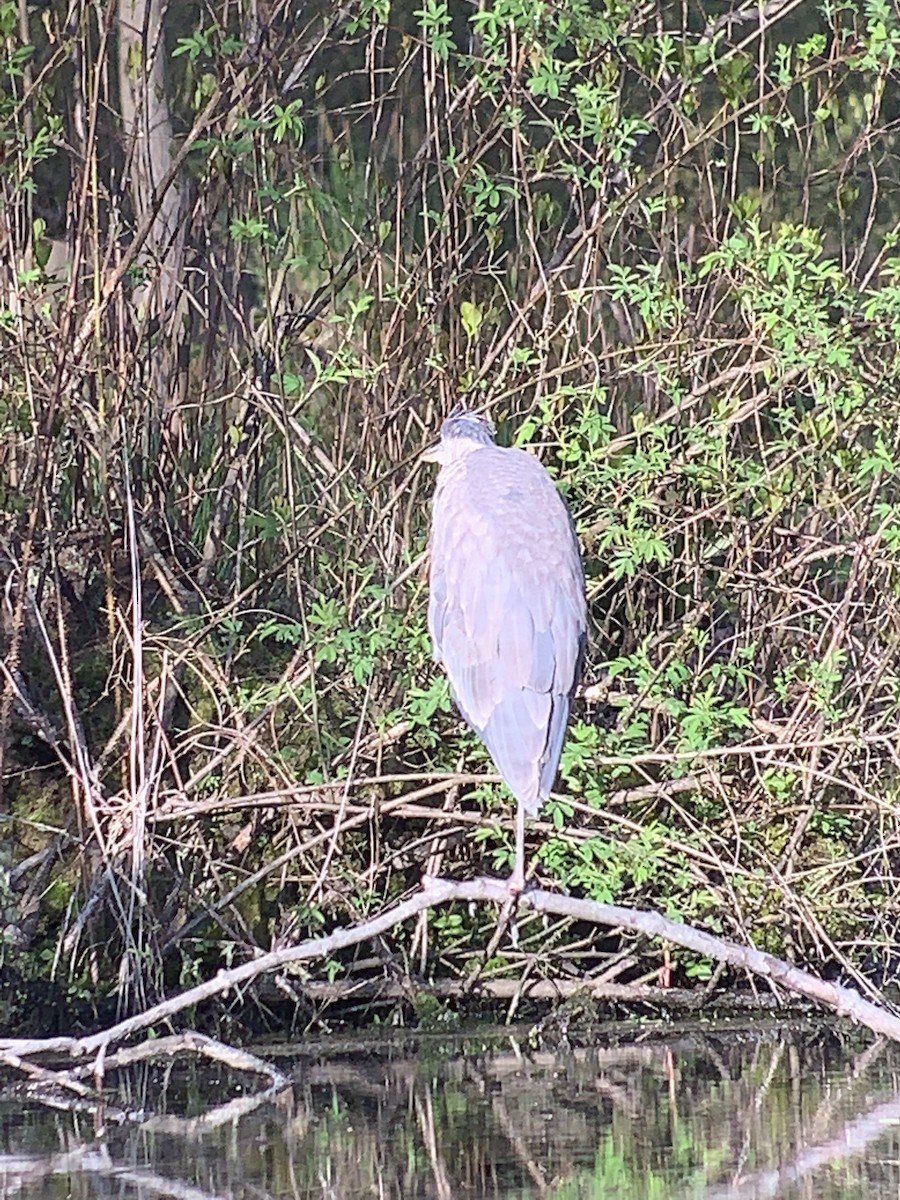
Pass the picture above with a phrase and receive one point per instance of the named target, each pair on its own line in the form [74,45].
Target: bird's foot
[515,885]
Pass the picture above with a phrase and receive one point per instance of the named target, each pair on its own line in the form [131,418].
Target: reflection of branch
[519,1145]
[193,1043]
[428,1129]
[62,1089]
[761,1092]
[849,1142]
[844,1001]
[18,1172]
[213,1118]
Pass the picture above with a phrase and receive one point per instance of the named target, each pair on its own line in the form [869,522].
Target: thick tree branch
[844,1001]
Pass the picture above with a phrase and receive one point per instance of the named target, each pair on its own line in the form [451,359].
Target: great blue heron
[507,612]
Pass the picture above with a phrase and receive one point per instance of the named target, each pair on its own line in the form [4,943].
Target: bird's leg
[516,884]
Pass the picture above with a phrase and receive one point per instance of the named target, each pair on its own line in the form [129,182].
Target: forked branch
[844,1001]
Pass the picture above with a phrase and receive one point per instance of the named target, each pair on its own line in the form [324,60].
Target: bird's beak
[432,454]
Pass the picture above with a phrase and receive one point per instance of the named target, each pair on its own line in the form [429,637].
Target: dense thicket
[249,259]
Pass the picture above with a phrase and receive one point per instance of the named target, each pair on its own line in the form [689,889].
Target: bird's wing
[506,610]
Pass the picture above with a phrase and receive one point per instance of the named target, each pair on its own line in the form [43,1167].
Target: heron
[507,612]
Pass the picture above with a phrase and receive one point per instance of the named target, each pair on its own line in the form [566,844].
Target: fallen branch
[191,1043]
[64,1089]
[844,1001]
[321,992]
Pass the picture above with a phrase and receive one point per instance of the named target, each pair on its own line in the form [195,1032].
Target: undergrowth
[663,256]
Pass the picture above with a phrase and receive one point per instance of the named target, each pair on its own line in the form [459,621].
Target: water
[766,1112]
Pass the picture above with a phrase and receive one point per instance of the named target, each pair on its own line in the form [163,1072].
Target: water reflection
[722,1113]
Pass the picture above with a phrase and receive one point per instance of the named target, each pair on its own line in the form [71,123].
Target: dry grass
[219,728]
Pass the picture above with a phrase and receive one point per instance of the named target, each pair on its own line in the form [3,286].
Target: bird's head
[461,433]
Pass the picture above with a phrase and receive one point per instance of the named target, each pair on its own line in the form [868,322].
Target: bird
[507,612]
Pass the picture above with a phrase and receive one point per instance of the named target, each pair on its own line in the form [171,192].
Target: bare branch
[844,1001]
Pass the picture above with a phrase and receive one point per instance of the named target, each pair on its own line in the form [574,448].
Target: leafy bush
[662,253]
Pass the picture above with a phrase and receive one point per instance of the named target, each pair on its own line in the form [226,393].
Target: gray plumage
[507,612]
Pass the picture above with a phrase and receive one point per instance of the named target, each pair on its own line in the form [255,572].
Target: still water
[788,1112]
